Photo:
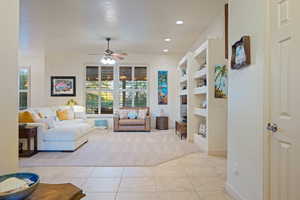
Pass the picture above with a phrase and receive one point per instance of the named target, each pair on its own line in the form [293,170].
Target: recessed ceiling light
[166,50]
[168,39]
[179,22]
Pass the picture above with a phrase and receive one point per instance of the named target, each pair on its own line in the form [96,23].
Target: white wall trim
[233,193]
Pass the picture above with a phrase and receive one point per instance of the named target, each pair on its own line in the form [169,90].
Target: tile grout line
[121,179]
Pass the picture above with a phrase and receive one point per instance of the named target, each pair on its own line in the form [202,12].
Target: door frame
[267,105]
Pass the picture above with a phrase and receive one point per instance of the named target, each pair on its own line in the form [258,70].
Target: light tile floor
[193,177]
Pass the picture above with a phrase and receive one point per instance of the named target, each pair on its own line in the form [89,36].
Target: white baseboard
[233,193]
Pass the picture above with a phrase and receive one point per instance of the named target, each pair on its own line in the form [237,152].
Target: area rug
[108,149]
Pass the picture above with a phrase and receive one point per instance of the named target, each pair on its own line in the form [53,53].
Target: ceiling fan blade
[117,57]
[123,54]
[120,54]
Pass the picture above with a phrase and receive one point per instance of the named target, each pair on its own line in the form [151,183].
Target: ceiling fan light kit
[110,57]
[106,60]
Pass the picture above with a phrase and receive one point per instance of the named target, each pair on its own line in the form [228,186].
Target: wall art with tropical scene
[162,87]
[221,81]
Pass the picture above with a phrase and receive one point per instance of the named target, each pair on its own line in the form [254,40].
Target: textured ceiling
[138,26]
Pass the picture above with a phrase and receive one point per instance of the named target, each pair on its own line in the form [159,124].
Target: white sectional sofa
[65,135]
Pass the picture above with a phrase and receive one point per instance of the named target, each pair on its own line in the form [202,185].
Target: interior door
[285,99]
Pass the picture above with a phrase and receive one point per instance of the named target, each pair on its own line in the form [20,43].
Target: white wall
[245,125]
[216,30]
[73,65]
[9,23]
[37,78]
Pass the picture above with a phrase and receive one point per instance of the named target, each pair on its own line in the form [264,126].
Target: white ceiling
[138,26]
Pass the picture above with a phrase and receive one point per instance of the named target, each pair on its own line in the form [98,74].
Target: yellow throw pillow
[62,114]
[26,117]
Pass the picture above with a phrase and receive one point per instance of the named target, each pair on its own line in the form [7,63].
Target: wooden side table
[56,192]
[28,132]
[162,123]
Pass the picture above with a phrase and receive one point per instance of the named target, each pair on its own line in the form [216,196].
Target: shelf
[183,92]
[183,79]
[201,73]
[200,112]
[200,90]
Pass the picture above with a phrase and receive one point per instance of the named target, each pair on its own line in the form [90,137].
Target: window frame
[134,90]
[99,89]
[28,91]
[116,87]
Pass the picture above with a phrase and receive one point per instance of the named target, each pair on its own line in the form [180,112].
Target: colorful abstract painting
[63,86]
[221,81]
[162,87]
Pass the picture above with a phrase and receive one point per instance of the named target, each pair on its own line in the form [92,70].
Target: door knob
[272,127]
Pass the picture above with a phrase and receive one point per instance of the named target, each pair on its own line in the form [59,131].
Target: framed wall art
[241,53]
[162,87]
[221,82]
[64,86]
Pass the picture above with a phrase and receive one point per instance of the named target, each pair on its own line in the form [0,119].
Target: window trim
[116,90]
[28,91]
[133,77]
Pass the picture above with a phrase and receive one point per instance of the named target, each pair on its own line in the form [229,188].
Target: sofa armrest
[116,119]
[148,123]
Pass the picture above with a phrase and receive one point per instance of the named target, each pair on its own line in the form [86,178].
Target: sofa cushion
[69,132]
[45,112]
[70,122]
[131,122]
[142,113]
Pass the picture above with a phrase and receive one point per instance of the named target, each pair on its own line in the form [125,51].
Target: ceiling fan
[110,57]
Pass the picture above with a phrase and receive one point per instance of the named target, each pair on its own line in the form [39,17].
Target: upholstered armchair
[123,123]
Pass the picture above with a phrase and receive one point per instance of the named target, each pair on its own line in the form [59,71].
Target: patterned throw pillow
[123,114]
[132,114]
[142,114]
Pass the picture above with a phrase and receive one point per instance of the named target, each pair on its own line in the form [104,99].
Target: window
[99,90]
[133,86]
[24,88]
[103,91]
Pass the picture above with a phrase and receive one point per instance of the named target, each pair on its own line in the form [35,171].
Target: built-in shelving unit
[207,115]
[183,88]
[200,90]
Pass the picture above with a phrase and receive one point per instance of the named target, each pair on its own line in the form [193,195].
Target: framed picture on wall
[162,87]
[241,53]
[63,86]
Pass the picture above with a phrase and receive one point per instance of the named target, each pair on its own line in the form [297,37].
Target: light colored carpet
[118,149]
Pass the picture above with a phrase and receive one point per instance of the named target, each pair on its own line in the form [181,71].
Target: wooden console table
[56,192]
[181,129]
